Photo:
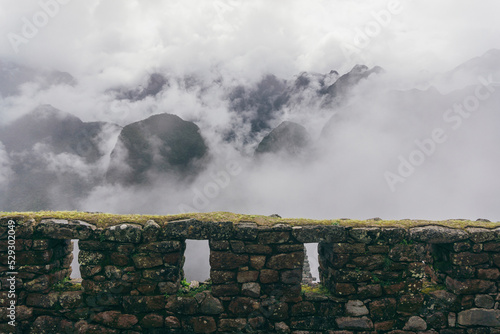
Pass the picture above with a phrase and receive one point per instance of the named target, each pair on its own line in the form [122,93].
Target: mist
[206,52]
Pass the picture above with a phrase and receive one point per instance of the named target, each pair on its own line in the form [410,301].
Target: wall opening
[310,272]
[75,265]
[197,261]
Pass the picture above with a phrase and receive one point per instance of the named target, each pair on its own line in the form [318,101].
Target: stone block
[437,234]
[286,261]
[479,317]
[227,260]
[353,323]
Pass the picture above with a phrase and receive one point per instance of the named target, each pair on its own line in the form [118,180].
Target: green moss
[317,289]
[106,219]
[187,291]
[432,287]
[67,284]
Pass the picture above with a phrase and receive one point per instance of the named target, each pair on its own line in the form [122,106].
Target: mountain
[339,89]
[262,104]
[61,131]
[54,158]
[13,76]
[156,83]
[159,145]
[468,73]
[289,138]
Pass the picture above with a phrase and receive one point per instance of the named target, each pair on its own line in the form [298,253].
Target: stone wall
[427,279]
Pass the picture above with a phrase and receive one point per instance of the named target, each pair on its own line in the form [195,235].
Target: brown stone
[232,325]
[344,248]
[247,276]
[71,299]
[237,246]
[220,277]
[161,247]
[492,247]
[344,289]
[383,309]
[269,276]
[354,323]
[437,320]
[44,324]
[42,300]
[147,289]
[183,305]
[338,260]
[251,289]
[22,313]
[479,317]
[173,259]
[303,309]
[34,257]
[227,260]
[469,286]
[378,249]
[257,322]
[384,325]
[84,327]
[369,262]
[461,246]
[370,291]
[219,245]
[89,271]
[496,259]
[410,304]
[203,324]
[96,245]
[119,259]
[242,306]
[116,319]
[469,259]
[136,304]
[280,311]
[392,289]
[258,249]
[352,276]
[169,273]
[289,248]
[172,322]
[211,305]
[221,290]
[257,262]
[144,261]
[286,261]
[488,274]
[291,276]
[274,237]
[408,253]
[480,235]
[90,258]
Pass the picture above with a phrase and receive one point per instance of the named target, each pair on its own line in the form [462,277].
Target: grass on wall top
[105,219]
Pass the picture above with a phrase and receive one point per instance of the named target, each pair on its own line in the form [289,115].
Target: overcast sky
[116,39]
[110,43]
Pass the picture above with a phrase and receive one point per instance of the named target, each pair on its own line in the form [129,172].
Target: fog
[205,50]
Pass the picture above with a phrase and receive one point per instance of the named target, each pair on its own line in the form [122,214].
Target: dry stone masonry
[428,279]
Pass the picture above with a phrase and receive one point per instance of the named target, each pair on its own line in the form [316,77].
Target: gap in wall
[197,260]
[312,257]
[75,266]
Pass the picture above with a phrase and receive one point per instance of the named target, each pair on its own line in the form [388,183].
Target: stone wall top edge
[432,232]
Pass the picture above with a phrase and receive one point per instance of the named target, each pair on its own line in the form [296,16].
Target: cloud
[207,49]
